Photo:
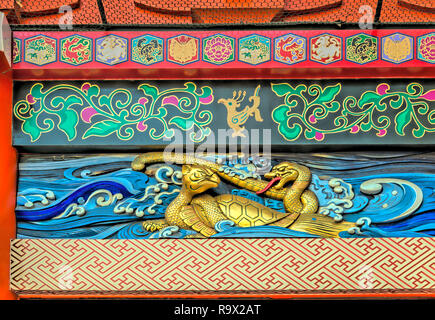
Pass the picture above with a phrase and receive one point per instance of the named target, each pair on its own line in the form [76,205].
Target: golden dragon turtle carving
[194,210]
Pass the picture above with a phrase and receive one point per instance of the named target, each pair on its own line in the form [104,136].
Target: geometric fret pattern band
[223,266]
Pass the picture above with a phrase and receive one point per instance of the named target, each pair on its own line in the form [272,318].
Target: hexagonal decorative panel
[75,50]
[111,49]
[254,49]
[326,48]
[397,48]
[361,48]
[40,50]
[16,50]
[290,49]
[426,48]
[183,49]
[147,49]
[218,49]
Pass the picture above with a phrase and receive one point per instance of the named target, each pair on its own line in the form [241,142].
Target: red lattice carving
[407,11]
[347,11]
[218,12]
[6,4]
[35,8]
[225,12]
[302,7]
[46,12]
[423,5]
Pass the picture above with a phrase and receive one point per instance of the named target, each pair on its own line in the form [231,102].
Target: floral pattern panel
[137,113]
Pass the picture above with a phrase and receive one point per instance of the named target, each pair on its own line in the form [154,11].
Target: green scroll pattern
[306,109]
[115,113]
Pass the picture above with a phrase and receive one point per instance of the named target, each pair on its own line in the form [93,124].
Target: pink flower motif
[30,99]
[382,89]
[206,100]
[143,101]
[87,114]
[319,136]
[170,100]
[430,95]
[218,49]
[86,86]
[312,119]
[427,48]
[141,126]
[381,133]
[15,49]
[354,129]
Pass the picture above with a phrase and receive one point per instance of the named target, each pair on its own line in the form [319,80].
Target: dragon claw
[153,226]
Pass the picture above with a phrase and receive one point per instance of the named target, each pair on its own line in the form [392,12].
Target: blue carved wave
[73,181]
[419,223]
[59,206]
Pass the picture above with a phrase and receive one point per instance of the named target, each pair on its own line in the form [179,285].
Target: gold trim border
[222,266]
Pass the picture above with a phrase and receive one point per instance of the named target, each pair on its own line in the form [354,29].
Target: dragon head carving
[198,179]
[233,103]
[283,172]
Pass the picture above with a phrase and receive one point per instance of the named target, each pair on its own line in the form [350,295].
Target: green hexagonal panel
[40,50]
[361,48]
[254,49]
[147,49]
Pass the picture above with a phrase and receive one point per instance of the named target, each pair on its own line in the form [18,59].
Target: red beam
[8,163]
[237,68]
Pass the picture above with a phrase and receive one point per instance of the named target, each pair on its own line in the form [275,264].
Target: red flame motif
[287,50]
[76,52]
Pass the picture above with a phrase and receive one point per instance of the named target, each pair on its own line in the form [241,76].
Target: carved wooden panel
[244,54]
[115,196]
[223,266]
[284,113]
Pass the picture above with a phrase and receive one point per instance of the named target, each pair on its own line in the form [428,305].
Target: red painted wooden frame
[8,162]
[200,70]
[307,69]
